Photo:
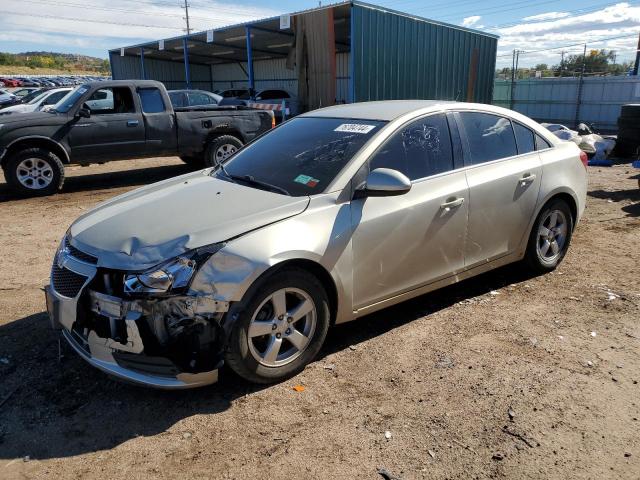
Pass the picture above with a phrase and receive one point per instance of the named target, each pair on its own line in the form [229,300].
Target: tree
[541,67]
[595,62]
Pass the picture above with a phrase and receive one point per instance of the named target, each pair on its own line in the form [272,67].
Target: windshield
[69,100]
[301,157]
[31,95]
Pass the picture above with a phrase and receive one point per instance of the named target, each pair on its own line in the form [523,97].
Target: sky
[541,30]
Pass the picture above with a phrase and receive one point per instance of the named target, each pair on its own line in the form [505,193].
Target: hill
[51,63]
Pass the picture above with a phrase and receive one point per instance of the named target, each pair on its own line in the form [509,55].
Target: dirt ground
[502,376]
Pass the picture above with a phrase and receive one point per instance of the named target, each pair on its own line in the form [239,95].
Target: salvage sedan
[333,215]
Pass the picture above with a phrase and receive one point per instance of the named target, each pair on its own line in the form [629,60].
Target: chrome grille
[66,282]
[80,255]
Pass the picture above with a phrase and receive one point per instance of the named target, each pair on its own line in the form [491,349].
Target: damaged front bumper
[173,342]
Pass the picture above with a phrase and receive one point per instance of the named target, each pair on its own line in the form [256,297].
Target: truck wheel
[34,172]
[192,161]
[221,148]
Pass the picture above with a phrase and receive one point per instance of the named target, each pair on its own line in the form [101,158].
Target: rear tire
[34,172]
[300,336]
[550,237]
[221,148]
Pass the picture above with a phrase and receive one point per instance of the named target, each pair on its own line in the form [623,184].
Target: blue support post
[250,63]
[352,56]
[187,72]
[144,76]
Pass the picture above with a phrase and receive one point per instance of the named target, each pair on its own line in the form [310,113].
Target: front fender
[322,234]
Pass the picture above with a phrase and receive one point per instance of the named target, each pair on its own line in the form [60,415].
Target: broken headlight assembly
[173,276]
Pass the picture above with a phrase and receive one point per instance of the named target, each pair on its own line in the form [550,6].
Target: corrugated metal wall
[401,57]
[274,74]
[554,100]
[171,74]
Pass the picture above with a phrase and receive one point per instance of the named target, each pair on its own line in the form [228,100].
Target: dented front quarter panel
[321,234]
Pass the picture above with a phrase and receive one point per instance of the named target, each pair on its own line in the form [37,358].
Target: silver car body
[370,253]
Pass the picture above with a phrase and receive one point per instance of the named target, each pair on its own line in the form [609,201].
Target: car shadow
[53,407]
[106,180]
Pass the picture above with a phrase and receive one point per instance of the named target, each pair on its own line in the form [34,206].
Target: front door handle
[132,123]
[527,178]
[451,203]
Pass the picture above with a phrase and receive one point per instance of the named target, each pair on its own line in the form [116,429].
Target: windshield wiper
[250,179]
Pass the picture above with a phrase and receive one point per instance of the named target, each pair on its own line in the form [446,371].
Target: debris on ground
[511,414]
[299,388]
[387,435]
[431,453]
[384,473]
[445,361]
[497,456]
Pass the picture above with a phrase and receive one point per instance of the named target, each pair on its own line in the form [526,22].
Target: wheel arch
[315,269]
[36,142]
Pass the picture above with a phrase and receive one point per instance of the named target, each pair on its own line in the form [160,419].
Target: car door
[114,129]
[404,242]
[159,123]
[504,181]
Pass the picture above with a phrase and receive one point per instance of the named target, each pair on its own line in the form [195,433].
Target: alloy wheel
[552,236]
[282,327]
[34,173]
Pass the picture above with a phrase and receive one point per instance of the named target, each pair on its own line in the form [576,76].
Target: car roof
[388,110]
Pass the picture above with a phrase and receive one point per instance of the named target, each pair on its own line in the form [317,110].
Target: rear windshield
[302,156]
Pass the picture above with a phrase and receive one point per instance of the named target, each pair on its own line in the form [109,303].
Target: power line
[587,41]
[56,17]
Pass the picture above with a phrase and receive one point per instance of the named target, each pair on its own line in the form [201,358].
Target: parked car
[274,97]
[6,97]
[27,82]
[103,121]
[193,98]
[333,215]
[22,92]
[11,82]
[232,92]
[48,98]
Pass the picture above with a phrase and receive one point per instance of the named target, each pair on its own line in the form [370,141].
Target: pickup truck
[117,120]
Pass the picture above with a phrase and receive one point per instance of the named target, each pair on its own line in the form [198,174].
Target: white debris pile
[594,145]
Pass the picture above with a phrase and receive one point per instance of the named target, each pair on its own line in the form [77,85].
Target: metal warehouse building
[346,52]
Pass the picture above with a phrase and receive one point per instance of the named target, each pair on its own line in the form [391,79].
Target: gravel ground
[502,376]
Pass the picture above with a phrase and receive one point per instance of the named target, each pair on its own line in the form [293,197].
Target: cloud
[470,21]
[546,16]
[114,23]
[553,31]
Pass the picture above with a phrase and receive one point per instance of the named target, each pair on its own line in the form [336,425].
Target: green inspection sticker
[306,180]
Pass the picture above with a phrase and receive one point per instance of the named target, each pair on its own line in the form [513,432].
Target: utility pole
[562,62]
[580,82]
[635,67]
[186,17]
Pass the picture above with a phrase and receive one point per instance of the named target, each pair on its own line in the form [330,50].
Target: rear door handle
[527,178]
[453,203]
[132,123]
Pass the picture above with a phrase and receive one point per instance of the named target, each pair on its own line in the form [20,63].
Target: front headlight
[172,275]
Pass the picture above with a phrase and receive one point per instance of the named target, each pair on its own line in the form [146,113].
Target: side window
[151,100]
[524,138]
[418,150]
[541,143]
[54,98]
[177,99]
[107,101]
[490,137]
[198,98]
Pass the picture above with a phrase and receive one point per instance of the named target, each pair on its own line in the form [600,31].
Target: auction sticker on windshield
[306,180]
[355,128]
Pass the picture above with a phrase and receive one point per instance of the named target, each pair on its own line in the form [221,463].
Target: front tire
[280,327]
[550,237]
[221,148]
[34,172]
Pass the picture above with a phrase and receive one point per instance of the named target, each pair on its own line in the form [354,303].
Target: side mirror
[384,182]
[84,112]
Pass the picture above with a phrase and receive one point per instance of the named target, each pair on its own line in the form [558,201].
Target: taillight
[273,121]
[584,159]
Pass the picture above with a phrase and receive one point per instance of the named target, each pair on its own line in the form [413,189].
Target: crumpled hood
[146,226]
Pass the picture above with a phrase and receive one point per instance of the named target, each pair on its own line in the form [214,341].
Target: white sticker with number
[355,128]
